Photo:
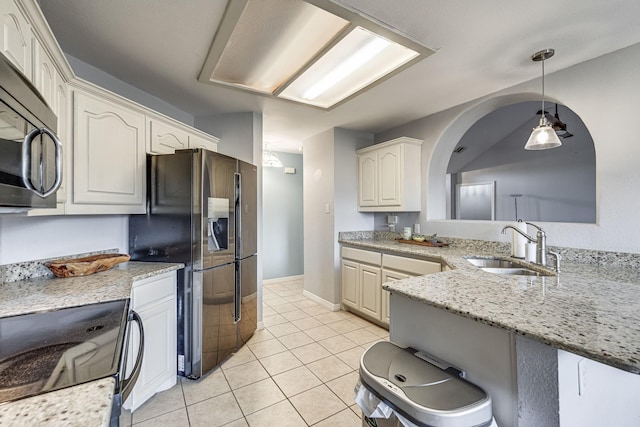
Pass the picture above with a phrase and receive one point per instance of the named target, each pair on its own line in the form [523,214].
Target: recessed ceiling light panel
[314,52]
[271,41]
[355,62]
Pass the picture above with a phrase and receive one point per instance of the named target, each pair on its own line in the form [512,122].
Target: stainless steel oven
[30,152]
[47,351]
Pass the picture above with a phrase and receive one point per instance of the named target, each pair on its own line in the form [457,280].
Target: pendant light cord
[542,116]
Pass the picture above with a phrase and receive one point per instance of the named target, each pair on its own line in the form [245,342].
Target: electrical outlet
[392,219]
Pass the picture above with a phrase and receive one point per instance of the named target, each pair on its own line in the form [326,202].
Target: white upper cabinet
[44,74]
[109,158]
[164,137]
[390,185]
[389,176]
[207,142]
[53,89]
[105,137]
[15,37]
[62,112]
[368,179]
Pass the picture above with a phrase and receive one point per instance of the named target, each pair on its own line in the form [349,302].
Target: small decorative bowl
[418,238]
[85,266]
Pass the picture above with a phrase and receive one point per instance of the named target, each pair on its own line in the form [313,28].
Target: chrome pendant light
[270,159]
[543,136]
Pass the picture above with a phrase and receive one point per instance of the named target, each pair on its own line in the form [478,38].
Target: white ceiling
[160,46]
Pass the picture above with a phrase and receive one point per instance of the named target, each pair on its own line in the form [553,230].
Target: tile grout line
[288,398]
[320,316]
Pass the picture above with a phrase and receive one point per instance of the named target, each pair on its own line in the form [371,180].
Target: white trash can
[397,388]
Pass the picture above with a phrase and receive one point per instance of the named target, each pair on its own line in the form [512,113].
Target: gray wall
[109,82]
[30,238]
[238,133]
[557,188]
[556,185]
[330,206]
[319,239]
[283,219]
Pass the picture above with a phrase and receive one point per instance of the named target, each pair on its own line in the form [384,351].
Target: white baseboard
[282,279]
[323,302]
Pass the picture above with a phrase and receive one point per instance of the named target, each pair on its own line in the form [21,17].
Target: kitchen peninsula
[481,321]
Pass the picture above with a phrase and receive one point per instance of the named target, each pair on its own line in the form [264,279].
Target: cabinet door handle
[26,163]
[128,383]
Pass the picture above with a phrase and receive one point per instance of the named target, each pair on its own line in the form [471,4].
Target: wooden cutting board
[85,266]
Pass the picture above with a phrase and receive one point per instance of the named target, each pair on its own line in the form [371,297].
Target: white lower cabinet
[350,278]
[389,276]
[364,272]
[361,281]
[370,290]
[154,299]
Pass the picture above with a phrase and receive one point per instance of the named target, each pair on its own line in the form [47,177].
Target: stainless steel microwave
[30,152]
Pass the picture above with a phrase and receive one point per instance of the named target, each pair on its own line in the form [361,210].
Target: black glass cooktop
[47,351]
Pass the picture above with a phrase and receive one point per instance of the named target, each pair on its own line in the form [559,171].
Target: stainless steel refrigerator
[202,211]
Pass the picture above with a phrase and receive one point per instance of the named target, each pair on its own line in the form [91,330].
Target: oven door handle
[26,163]
[128,383]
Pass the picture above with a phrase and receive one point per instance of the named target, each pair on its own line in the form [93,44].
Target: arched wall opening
[603,92]
[447,141]
[491,175]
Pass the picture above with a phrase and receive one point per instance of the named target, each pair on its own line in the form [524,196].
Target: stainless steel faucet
[540,241]
[558,257]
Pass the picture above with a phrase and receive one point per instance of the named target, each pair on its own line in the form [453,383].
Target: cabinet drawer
[153,289]
[413,266]
[362,256]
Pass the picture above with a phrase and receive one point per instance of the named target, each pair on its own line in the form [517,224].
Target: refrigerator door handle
[238,242]
[238,214]
[237,315]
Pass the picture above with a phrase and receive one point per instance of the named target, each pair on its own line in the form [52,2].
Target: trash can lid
[422,391]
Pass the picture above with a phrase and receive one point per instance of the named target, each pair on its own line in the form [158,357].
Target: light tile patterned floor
[298,371]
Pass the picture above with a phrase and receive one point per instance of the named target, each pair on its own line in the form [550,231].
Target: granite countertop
[42,294]
[590,310]
[84,404]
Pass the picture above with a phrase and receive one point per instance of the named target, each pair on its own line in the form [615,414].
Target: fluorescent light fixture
[270,41]
[314,52]
[347,67]
[355,62]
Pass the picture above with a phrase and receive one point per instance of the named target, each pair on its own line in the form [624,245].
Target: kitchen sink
[513,271]
[504,266]
[493,263]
